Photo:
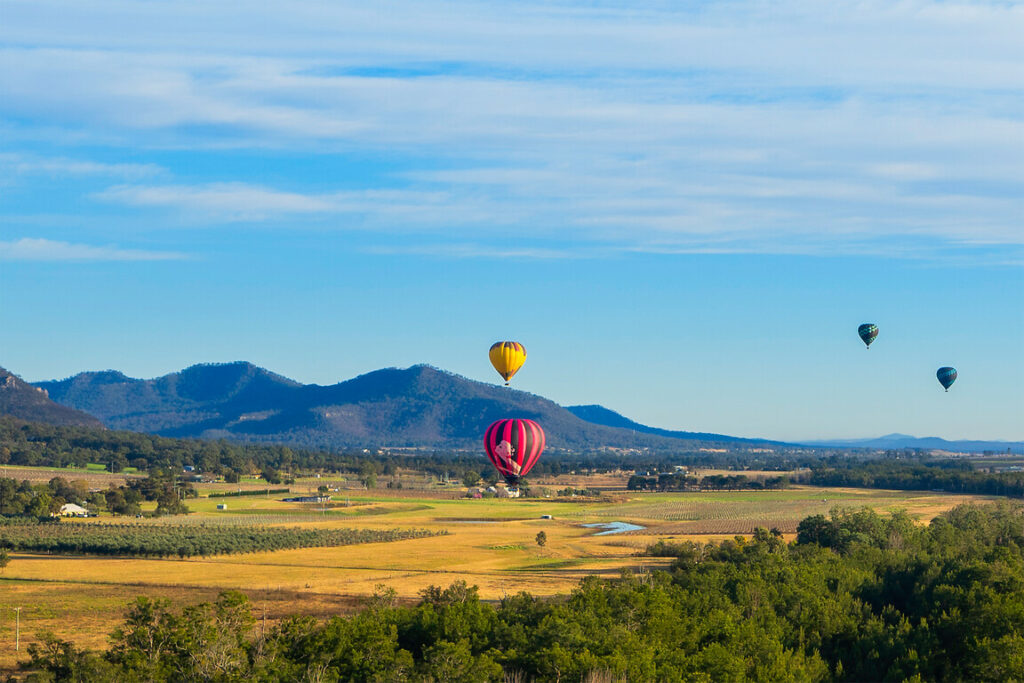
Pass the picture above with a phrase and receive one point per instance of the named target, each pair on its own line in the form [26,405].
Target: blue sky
[683,211]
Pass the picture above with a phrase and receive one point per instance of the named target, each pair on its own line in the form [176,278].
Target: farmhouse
[72,510]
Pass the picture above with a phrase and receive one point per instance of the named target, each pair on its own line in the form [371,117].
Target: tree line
[679,481]
[41,445]
[32,444]
[23,499]
[952,476]
[856,597]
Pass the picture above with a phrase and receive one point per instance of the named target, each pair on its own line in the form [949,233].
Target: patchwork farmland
[407,542]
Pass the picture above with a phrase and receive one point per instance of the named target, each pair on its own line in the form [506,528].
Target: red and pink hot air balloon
[514,446]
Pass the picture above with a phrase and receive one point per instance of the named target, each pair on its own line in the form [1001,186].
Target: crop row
[182,540]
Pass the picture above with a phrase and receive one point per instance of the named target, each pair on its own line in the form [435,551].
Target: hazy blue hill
[900,441]
[604,416]
[24,401]
[416,406]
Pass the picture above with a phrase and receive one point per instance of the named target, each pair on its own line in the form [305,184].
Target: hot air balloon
[513,447]
[868,332]
[507,357]
[946,376]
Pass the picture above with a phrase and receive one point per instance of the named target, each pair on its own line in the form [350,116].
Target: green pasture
[711,512]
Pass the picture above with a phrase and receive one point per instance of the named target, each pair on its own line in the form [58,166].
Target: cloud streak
[62,166]
[38,249]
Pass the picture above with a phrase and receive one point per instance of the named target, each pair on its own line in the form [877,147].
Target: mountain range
[419,406]
[22,400]
[900,441]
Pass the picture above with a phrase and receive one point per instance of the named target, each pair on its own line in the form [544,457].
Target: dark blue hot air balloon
[946,376]
[868,332]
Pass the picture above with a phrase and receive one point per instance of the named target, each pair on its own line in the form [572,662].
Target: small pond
[614,527]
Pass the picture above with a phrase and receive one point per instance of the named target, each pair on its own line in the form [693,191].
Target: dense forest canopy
[856,597]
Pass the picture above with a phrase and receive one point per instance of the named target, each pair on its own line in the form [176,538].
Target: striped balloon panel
[507,357]
[867,333]
[946,376]
[513,447]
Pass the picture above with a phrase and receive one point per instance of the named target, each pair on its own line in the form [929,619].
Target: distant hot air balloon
[868,332]
[513,447]
[507,357]
[946,376]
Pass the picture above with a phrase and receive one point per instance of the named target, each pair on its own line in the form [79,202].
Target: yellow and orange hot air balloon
[507,357]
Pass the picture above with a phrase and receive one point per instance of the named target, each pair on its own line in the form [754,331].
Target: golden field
[489,543]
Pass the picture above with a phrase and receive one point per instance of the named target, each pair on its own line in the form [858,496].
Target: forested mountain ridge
[416,406]
[20,399]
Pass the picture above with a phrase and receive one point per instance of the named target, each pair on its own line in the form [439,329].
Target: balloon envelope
[946,377]
[507,357]
[868,332]
[513,447]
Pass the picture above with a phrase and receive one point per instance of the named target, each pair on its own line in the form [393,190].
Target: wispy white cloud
[21,163]
[765,122]
[236,201]
[37,249]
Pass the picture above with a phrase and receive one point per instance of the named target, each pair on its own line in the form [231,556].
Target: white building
[72,510]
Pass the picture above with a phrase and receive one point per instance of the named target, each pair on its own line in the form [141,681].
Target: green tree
[454,662]
[211,640]
[542,538]
[368,474]
[60,660]
[145,643]
[271,475]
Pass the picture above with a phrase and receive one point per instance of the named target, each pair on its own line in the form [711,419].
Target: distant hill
[418,406]
[900,441]
[20,399]
[600,415]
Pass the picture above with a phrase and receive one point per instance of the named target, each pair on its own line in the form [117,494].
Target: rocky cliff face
[24,401]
